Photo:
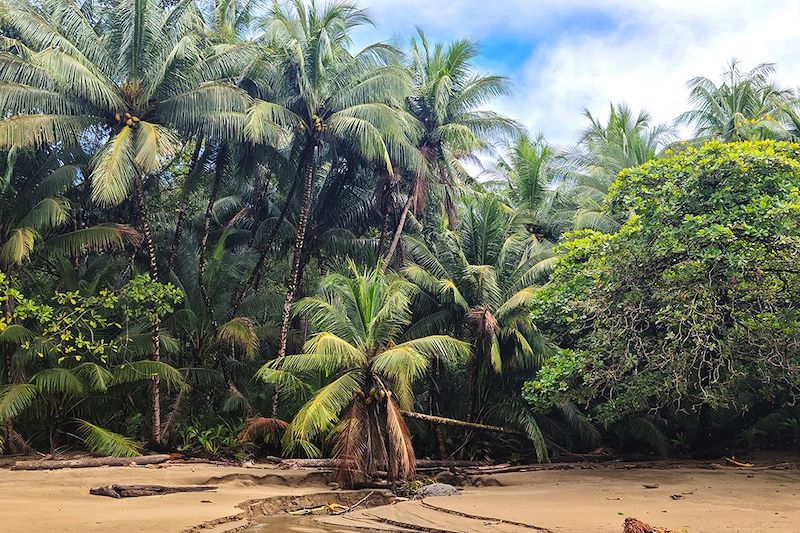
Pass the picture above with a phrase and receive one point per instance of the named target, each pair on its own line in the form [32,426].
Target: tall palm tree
[528,175]
[358,346]
[481,279]
[625,140]
[745,106]
[448,100]
[134,79]
[328,99]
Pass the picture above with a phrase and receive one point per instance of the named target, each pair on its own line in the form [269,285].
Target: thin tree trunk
[398,232]
[184,207]
[222,155]
[458,423]
[155,390]
[302,223]
[239,295]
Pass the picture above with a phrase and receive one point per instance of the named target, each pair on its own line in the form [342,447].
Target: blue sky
[564,55]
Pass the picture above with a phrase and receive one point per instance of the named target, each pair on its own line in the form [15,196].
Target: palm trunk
[262,258]
[302,223]
[201,267]
[155,390]
[398,232]
[184,207]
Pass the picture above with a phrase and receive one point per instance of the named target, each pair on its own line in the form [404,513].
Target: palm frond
[103,441]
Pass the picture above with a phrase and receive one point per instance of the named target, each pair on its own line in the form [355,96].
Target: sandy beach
[697,500]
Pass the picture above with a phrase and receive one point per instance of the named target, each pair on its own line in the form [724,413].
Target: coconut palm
[480,279]
[625,140]
[528,175]
[328,99]
[447,101]
[745,106]
[33,207]
[358,345]
[134,80]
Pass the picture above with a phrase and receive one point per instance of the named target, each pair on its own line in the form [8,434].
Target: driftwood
[135,491]
[88,462]
[733,462]
[333,463]
[457,423]
[633,525]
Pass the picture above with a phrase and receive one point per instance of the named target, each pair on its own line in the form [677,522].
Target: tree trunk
[155,390]
[398,232]
[184,206]
[302,224]
[458,423]
[89,462]
[239,295]
[222,155]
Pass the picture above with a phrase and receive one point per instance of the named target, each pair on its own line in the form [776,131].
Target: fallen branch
[89,462]
[136,491]
[457,423]
[733,462]
[359,502]
[484,518]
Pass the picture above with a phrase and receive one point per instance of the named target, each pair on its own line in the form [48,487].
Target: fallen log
[88,462]
[333,463]
[457,423]
[136,491]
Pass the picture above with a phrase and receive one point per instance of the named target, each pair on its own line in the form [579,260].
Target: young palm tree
[447,101]
[480,279]
[135,80]
[33,207]
[625,140]
[328,99]
[358,322]
[745,106]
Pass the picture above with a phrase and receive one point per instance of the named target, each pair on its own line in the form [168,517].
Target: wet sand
[597,500]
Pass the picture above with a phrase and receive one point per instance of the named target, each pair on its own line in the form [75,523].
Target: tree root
[484,518]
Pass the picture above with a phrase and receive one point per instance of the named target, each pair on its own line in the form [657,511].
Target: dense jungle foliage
[225,230]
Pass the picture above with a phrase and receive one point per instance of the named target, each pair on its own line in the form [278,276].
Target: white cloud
[644,58]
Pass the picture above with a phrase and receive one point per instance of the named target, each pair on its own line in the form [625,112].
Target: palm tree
[528,176]
[360,346]
[625,140]
[447,101]
[33,207]
[481,279]
[745,106]
[329,99]
[135,80]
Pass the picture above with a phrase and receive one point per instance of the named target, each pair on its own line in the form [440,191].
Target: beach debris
[88,462]
[650,485]
[135,491]
[435,489]
[731,461]
[634,525]
[330,508]
[677,496]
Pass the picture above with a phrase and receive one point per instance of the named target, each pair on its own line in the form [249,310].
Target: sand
[711,500]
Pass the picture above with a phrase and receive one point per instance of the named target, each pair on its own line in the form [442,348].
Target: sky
[566,55]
